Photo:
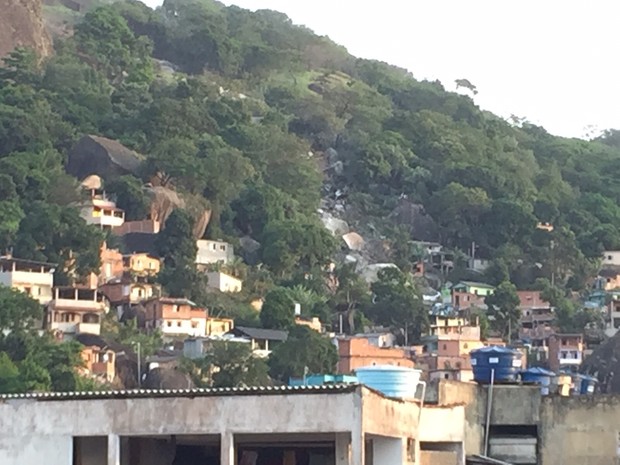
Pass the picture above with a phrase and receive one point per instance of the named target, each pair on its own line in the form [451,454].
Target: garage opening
[170,450]
[286,449]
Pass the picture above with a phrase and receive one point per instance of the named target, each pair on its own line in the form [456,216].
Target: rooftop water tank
[539,376]
[505,362]
[588,384]
[392,381]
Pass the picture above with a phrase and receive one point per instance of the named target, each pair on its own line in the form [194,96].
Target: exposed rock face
[167,378]
[604,364]
[104,157]
[21,25]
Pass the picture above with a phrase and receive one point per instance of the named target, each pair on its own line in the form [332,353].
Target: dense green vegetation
[244,123]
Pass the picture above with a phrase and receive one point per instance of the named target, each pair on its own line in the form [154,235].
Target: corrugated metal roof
[160,393]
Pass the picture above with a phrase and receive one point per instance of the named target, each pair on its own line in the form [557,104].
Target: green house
[472,287]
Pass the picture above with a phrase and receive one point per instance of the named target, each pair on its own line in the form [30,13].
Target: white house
[101,211]
[34,278]
[223,282]
[210,252]
[611,257]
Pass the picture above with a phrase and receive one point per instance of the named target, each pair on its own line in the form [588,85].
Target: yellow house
[141,264]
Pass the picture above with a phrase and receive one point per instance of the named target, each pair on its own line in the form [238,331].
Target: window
[194,324]
[178,324]
[223,248]
[175,308]
[609,257]
[28,290]
[465,346]
[169,324]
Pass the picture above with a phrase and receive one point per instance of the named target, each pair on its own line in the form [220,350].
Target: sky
[552,62]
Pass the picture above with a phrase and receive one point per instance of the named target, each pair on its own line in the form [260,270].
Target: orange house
[176,317]
[357,352]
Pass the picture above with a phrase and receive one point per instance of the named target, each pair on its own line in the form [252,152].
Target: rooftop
[153,393]
[260,333]
[475,284]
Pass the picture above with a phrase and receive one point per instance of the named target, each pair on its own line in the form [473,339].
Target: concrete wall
[442,424]
[26,449]
[438,457]
[581,430]
[454,392]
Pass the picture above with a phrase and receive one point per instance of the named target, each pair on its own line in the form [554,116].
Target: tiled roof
[260,333]
[162,393]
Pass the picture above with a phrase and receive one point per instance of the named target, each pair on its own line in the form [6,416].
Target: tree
[19,311]
[9,375]
[278,311]
[105,37]
[176,244]
[398,302]
[305,351]
[504,308]
[288,244]
[231,364]
[129,196]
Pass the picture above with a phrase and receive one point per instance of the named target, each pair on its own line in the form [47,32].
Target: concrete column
[389,451]
[227,449]
[114,449]
[357,449]
[343,448]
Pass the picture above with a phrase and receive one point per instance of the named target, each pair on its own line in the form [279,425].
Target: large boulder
[604,364]
[167,378]
[104,157]
[414,216]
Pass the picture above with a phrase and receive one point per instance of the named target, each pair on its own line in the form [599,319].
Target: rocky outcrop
[104,157]
[167,378]
[21,25]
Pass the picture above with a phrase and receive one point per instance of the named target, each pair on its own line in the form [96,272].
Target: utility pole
[139,363]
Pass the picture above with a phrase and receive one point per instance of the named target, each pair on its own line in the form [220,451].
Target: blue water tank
[393,381]
[588,384]
[504,361]
[539,376]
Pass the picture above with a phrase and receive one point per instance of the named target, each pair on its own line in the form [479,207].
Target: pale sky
[553,62]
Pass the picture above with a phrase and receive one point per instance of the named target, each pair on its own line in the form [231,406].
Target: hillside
[267,123]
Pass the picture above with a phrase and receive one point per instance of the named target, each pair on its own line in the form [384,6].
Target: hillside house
[128,291]
[210,252]
[175,317]
[141,264]
[75,311]
[565,351]
[467,294]
[262,341]
[609,278]
[537,319]
[33,278]
[99,359]
[356,352]
[611,258]
[100,211]
[223,282]
[312,323]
